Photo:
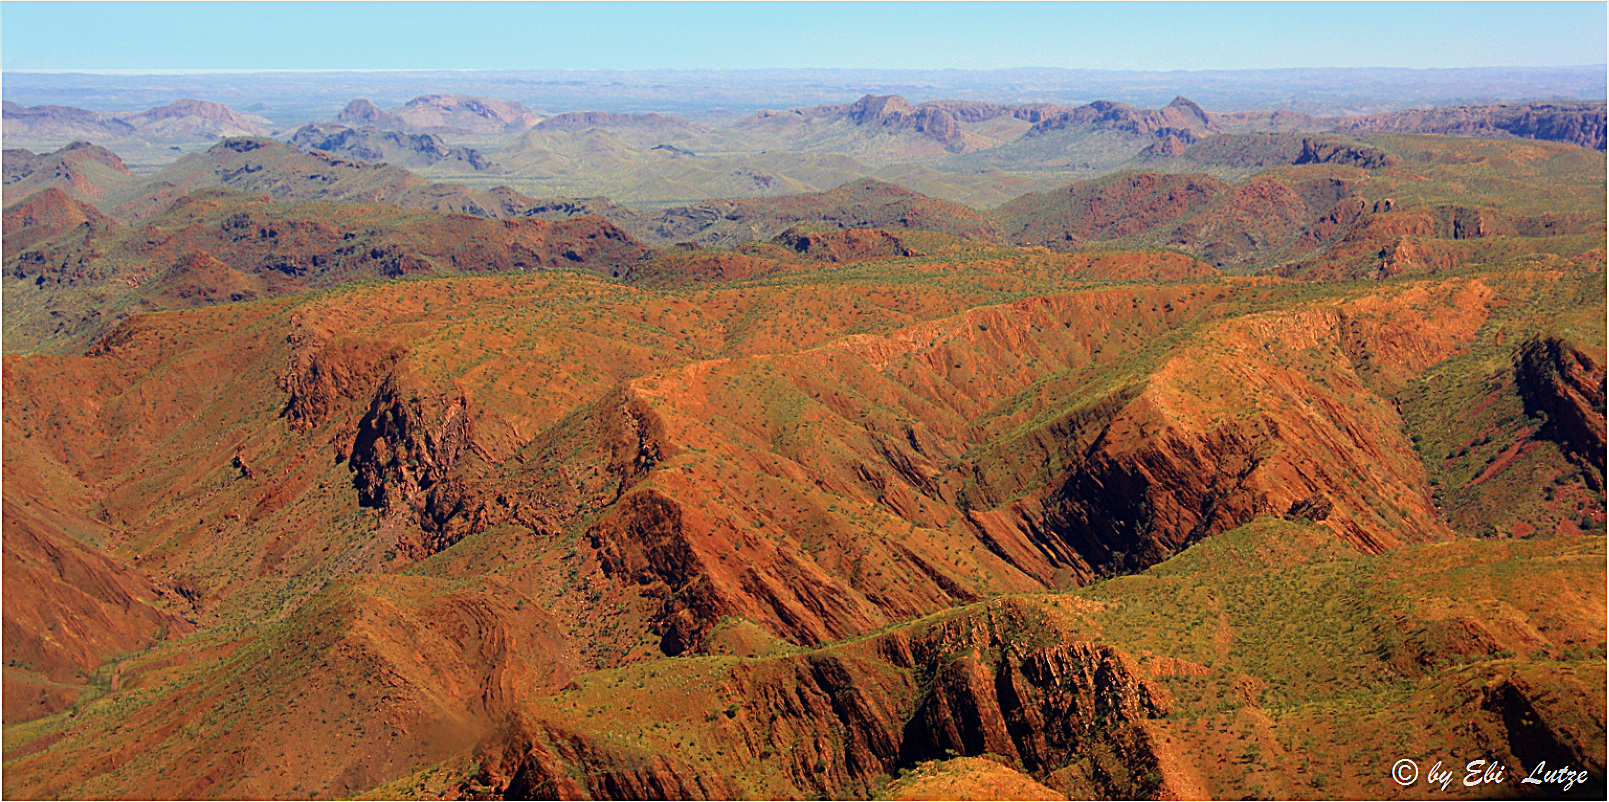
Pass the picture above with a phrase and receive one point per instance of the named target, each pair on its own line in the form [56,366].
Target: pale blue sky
[904,35]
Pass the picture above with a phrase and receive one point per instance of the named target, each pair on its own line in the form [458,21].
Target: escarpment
[839,721]
[1282,424]
[555,764]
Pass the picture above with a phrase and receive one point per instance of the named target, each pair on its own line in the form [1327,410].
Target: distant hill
[82,170]
[862,204]
[189,120]
[287,174]
[48,214]
[1093,138]
[83,272]
[1260,150]
[321,244]
[441,114]
[61,123]
[461,114]
[889,128]
[392,147]
[362,113]
[1373,208]
[1579,123]
[1181,118]
[623,166]
[1240,122]
[657,124]
[1105,208]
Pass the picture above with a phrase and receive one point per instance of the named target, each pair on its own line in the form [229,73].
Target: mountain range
[971,152]
[1257,456]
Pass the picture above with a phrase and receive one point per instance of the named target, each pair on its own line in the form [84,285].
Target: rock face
[1533,734]
[893,114]
[845,245]
[1317,150]
[402,458]
[1166,146]
[393,147]
[1072,714]
[1041,708]
[1567,386]
[544,765]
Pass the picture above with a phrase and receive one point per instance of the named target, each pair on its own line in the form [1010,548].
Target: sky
[139,36]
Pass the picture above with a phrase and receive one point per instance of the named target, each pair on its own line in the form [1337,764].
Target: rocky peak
[190,118]
[87,151]
[362,111]
[474,114]
[1319,150]
[54,210]
[875,107]
[894,114]
[1186,107]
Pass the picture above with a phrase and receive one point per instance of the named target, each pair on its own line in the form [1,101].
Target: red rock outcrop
[845,245]
[1567,386]
[835,722]
[551,763]
[1317,150]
